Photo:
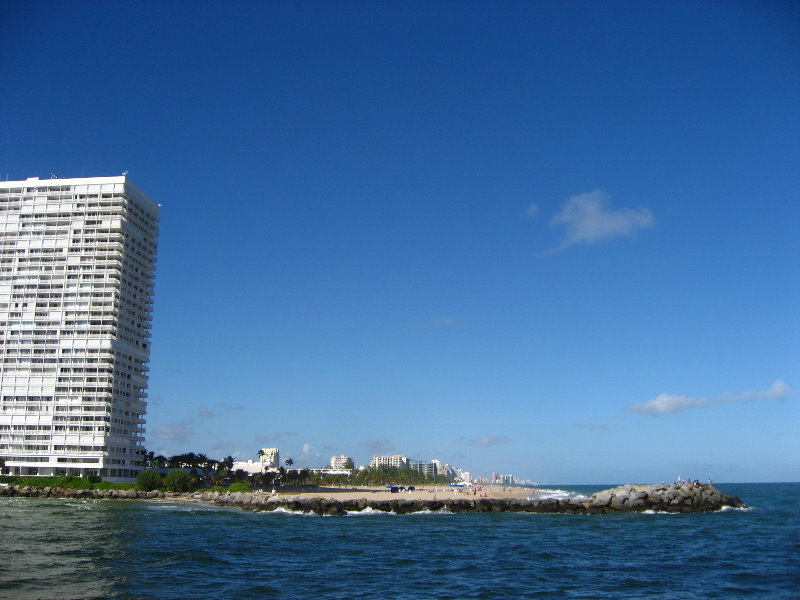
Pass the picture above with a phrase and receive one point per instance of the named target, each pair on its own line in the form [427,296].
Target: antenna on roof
[124,173]
[53,176]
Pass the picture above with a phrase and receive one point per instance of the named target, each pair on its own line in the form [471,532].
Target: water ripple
[117,549]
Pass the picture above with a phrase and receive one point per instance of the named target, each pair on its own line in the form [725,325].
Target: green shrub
[68,481]
[178,480]
[149,480]
[107,485]
[238,487]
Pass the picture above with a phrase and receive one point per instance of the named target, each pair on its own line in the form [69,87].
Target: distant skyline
[557,240]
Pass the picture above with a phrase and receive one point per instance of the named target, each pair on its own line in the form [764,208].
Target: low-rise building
[250,467]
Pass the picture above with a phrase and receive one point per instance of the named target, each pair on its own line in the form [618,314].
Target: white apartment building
[396,460]
[342,462]
[77,262]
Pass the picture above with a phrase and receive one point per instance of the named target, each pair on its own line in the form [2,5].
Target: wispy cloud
[532,211]
[665,404]
[378,446]
[489,440]
[445,322]
[592,426]
[227,406]
[205,413]
[268,439]
[176,432]
[588,218]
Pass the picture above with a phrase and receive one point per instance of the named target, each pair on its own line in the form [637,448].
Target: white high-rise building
[77,262]
[270,458]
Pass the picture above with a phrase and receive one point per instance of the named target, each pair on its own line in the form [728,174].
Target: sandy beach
[424,493]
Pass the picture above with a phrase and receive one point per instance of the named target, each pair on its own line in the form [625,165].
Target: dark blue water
[134,549]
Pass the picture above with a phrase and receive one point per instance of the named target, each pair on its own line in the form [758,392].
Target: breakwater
[674,498]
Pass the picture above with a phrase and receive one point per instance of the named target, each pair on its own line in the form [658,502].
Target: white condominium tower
[77,262]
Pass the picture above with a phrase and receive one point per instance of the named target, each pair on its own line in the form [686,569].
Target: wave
[658,512]
[371,511]
[282,510]
[545,494]
[81,505]
[726,508]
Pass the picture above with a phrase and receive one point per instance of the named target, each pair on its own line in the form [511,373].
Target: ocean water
[136,549]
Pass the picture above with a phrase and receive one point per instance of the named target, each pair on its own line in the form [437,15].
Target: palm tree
[227,463]
[289,462]
[205,464]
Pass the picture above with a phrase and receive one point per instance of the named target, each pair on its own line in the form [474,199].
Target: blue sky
[558,240]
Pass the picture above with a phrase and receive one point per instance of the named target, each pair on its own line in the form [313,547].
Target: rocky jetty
[58,492]
[674,498]
[688,497]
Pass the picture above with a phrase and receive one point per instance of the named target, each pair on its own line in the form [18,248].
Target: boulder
[601,498]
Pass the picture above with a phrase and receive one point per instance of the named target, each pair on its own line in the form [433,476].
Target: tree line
[196,470]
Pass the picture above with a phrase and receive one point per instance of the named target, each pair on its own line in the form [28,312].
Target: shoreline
[672,498]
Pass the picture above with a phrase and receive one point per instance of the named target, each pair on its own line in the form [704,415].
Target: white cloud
[532,211]
[310,454]
[588,218]
[489,440]
[664,404]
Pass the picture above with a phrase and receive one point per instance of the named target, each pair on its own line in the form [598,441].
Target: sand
[424,493]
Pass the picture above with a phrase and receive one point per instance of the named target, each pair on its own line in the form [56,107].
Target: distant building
[462,475]
[427,469]
[250,467]
[270,458]
[396,460]
[443,468]
[342,462]
[330,471]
